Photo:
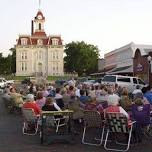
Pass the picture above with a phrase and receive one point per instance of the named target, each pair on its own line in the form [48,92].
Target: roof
[126,69]
[33,40]
[41,33]
[40,13]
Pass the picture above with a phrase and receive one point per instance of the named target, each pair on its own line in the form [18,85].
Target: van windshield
[141,82]
[109,78]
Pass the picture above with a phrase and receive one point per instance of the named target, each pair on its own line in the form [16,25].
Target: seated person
[113,106]
[141,114]
[93,105]
[40,99]
[83,98]
[16,97]
[59,98]
[30,103]
[147,94]
[50,105]
[125,102]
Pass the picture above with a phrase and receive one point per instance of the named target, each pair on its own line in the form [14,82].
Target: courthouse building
[38,53]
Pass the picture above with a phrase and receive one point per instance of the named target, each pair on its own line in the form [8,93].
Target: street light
[149,58]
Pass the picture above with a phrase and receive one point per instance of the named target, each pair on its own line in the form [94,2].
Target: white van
[123,81]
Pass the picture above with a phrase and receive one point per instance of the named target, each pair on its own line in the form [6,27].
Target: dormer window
[39,42]
[55,41]
[23,41]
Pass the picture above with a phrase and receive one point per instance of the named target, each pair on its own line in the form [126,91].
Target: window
[141,82]
[57,67]
[109,78]
[24,41]
[39,42]
[55,41]
[121,79]
[53,55]
[56,54]
[39,26]
[24,55]
[24,66]
[134,80]
[40,56]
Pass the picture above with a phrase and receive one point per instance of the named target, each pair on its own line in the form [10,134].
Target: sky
[108,24]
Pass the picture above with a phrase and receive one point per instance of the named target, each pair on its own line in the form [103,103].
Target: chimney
[32,27]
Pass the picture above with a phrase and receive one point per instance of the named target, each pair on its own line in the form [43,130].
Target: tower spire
[39,4]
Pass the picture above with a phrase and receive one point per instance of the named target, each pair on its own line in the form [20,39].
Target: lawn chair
[31,122]
[118,123]
[92,119]
[55,125]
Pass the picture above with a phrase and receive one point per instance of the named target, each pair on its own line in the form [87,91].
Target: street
[12,140]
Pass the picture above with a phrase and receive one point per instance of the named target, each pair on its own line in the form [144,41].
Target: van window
[121,79]
[134,80]
[141,82]
[109,78]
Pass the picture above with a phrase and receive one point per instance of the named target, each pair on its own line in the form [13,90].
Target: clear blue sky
[109,24]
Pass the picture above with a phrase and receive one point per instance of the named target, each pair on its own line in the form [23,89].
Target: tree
[13,60]
[81,57]
[8,64]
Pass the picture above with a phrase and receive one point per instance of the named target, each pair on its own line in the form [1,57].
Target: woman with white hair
[113,105]
[30,103]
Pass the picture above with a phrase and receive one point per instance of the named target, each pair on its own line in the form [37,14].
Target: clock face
[39,17]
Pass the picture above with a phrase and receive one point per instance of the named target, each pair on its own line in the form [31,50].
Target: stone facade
[39,54]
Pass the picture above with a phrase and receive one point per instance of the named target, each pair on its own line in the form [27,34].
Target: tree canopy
[8,64]
[81,57]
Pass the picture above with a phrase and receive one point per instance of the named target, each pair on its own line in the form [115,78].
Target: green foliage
[50,78]
[81,58]
[8,64]
[13,60]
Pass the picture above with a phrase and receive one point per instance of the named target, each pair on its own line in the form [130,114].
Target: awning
[119,70]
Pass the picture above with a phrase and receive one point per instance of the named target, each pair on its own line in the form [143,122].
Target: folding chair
[52,121]
[92,119]
[59,122]
[118,123]
[30,119]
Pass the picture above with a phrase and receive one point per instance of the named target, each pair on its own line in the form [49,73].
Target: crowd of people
[103,98]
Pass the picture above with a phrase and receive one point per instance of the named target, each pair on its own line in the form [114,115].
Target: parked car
[28,80]
[89,82]
[123,81]
[60,82]
[4,82]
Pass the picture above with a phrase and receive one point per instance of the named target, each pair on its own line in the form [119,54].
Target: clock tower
[39,22]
